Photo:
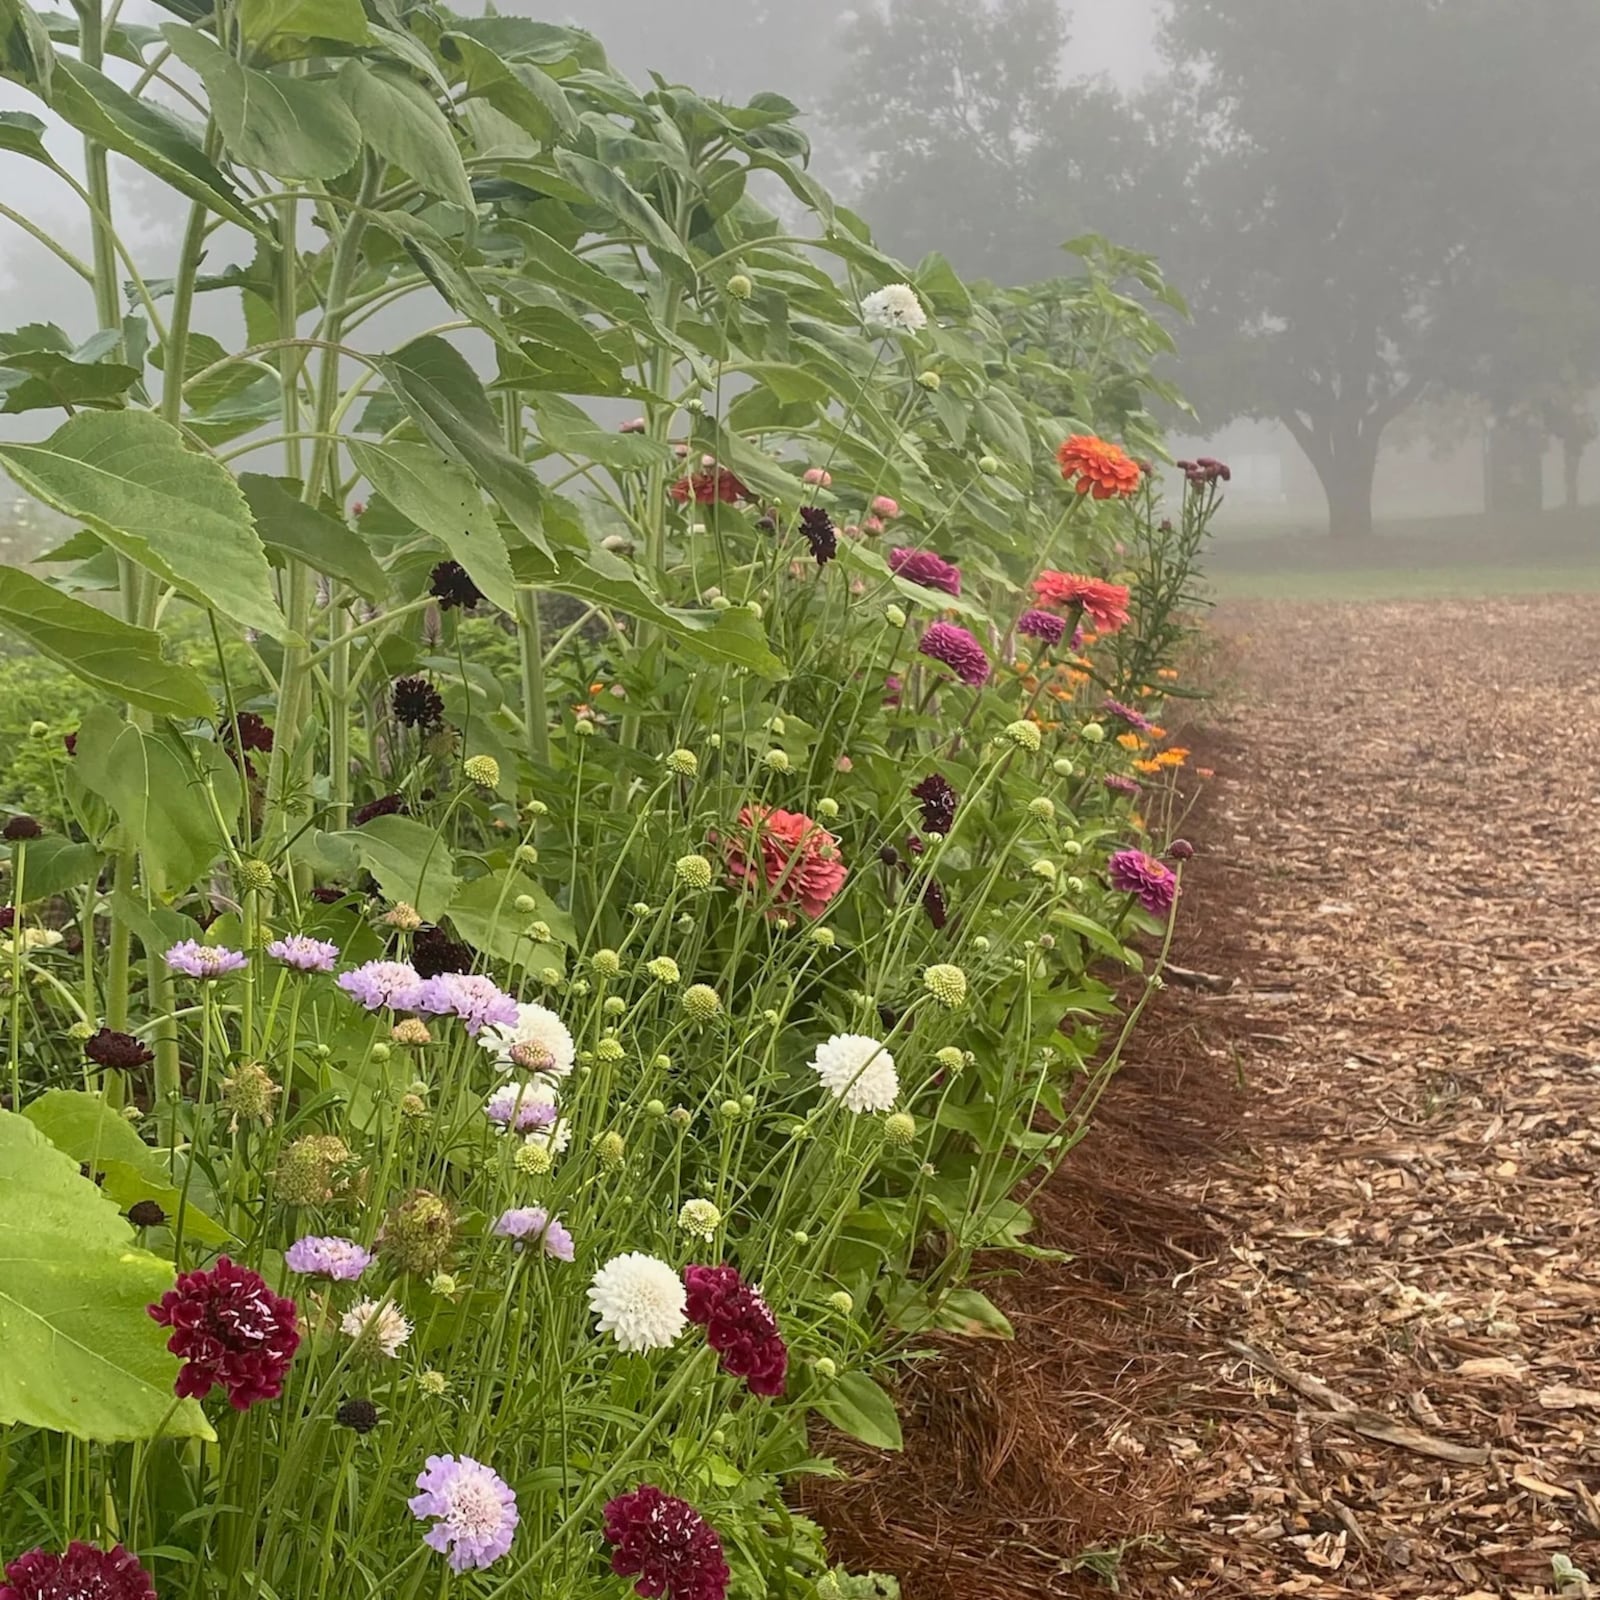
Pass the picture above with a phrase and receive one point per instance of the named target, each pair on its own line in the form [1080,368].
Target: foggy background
[1385,212]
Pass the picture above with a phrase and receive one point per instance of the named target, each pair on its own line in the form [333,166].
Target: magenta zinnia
[1045,626]
[958,650]
[739,1326]
[80,1572]
[1152,883]
[666,1545]
[229,1328]
[925,568]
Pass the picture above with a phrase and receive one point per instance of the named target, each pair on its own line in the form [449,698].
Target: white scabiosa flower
[380,1328]
[895,306]
[700,1218]
[538,1041]
[640,1301]
[857,1071]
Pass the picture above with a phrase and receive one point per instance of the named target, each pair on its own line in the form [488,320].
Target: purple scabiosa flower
[451,585]
[80,1572]
[1152,883]
[376,984]
[1042,625]
[1118,784]
[386,805]
[433,951]
[521,1107]
[473,1510]
[303,953]
[327,1256]
[197,960]
[925,568]
[477,1000]
[534,1225]
[958,650]
[938,801]
[820,533]
[666,1545]
[1134,719]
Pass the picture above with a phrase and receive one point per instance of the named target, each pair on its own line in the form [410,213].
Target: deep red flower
[451,585]
[81,1572]
[739,1326]
[799,859]
[1104,604]
[249,731]
[229,1328]
[708,486]
[1094,466]
[666,1545]
[118,1052]
[938,799]
[386,805]
[820,533]
[926,568]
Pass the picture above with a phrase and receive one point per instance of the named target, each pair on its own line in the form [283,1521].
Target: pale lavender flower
[383,983]
[303,953]
[474,1511]
[533,1224]
[522,1106]
[327,1256]
[477,1000]
[198,960]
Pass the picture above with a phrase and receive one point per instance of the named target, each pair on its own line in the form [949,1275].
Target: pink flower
[925,568]
[883,506]
[797,859]
[818,477]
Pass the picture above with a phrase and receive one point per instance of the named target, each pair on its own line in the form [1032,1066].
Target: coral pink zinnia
[1104,604]
[1094,466]
[799,859]
[229,1328]
[708,486]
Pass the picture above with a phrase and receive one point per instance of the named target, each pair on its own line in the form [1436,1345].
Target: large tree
[1363,176]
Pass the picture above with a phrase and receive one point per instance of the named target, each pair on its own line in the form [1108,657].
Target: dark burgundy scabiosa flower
[820,533]
[451,585]
[119,1052]
[229,1328]
[433,951]
[1118,784]
[958,650]
[19,829]
[80,1572]
[69,743]
[247,733]
[1181,850]
[1134,719]
[146,1214]
[416,703]
[1045,626]
[924,567]
[739,1327]
[938,801]
[1152,883]
[666,1545]
[386,805]
[359,1415]
[8,918]
[934,903]
[327,894]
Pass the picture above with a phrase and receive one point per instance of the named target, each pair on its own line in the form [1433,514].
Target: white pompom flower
[895,306]
[538,1042]
[858,1072]
[640,1301]
[378,1327]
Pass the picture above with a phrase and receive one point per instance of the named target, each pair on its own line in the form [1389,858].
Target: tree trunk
[1572,452]
[1347,476]
[1516,467]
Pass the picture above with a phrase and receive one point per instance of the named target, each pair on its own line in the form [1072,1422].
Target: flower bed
[544,984]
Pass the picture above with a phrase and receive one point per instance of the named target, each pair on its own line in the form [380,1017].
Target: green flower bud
[483,771]
[950,1058]
[1024,735]
[899,1129]
[683,762]
[1072,848]
[827,808]
[842,1301]
[255,875]
[988,466]
[1042,807]
[824,937]
[610,1050]
[611,1149]
[1044,868]
[613,1005]
[730,1109]
[380,1051]
[825,1368]
[1092,733]
[663,969]
[894,616]
[38,730]
[584,728]
[740,287]
[947,984]
[529,857]
[930,381]
[720,602]
[525,903]
[693,872]
[418,1233]
[1062,767]
[700,1218]
[606,964]
[533,1159]
[655,1108]
[702,1002]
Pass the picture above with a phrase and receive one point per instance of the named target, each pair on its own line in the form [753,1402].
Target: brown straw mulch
[1332,1322]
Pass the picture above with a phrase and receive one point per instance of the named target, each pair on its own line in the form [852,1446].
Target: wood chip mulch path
[1332,1325]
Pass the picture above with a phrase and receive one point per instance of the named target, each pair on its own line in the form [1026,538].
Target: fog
[1383,213]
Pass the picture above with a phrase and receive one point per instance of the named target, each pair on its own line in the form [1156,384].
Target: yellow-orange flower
[1130,741]
[1175,757]
[1147,767]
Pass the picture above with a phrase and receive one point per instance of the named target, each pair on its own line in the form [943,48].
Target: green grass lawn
[1558,552]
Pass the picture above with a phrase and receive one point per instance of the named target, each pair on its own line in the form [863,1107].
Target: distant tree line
[1365,202]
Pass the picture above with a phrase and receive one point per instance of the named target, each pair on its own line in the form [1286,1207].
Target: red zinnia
[229,1328]
[799,859]
[1094,466]
[1105,604]
[739,1326]
[664,1543]
[81,1572]
[708,486]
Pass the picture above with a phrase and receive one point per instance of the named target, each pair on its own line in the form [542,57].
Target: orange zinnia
[1147,767]
[1104,604]
[1094,466]
[1175,757]
[1130,741]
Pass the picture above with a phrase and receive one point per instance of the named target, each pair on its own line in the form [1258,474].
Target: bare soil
[1332,1322]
